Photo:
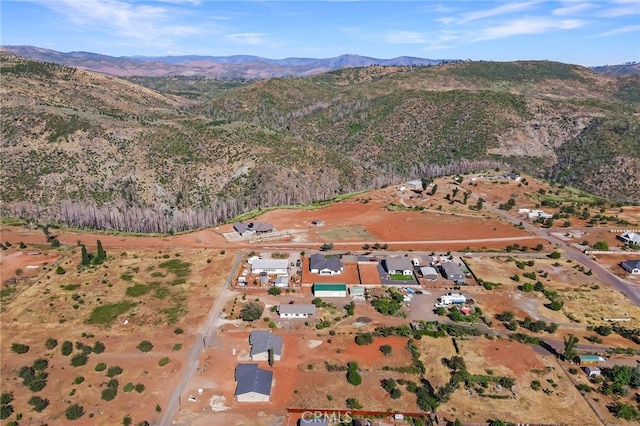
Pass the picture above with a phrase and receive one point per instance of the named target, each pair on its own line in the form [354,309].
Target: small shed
[593,371]
[330,290]
[356,291]
[429,273]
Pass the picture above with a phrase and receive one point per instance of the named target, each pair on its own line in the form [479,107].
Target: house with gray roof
[261,342]
[270,266]
[452,271]
[252,228]
[631,266]
[325,265]
[421,260]
[297,310]
[396,265]
[253,384]
[429,273]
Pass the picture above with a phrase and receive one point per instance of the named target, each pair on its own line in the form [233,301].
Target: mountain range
[160,154]
[237,66]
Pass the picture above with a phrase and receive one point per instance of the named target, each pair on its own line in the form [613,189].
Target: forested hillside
[99,151]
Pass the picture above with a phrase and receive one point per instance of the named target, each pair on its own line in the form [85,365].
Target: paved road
[628,289]
[198,345]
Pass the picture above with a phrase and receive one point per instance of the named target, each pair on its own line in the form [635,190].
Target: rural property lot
[158,295]
[162,289]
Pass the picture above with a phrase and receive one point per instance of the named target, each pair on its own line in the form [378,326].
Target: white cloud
[253,39]
[405,37]
[622,10]
[534,25]
[144,24]
[499,10]
[572,8]
[622,30]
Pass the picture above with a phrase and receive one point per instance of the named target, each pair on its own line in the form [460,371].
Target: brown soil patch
[61,304]
[564,405]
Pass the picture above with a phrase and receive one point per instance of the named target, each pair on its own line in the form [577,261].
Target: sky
[584,32]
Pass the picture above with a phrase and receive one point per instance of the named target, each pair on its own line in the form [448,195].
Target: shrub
[74,412]
[60,270]
[40,364]
[78,380]
[38,404]
[274,291]
[178,330]
[114,371]
[386,349]
[364,339]
[6,398]
[145,346]
[158,408]
[139,387]
[395,393]
[79,360]
[128,387]
[353,404]
[19,348]
[101,366]
[555,305]
[109,394]
[5,411]
[66,348]
[50,343]
[164,361]
[98,347]
[555,255]
[177,346]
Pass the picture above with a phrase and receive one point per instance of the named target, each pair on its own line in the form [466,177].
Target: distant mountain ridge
[236,66]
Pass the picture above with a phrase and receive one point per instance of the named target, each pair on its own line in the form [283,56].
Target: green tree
[601,246]
[38,404]
[60,270]
[145,346]
[554,255]
[434,189]
[98,347]
[386,349]
[114,371]
[5,411]
[570,343]
[19,348]
[101,254]
[74,412]
[50,343]
[251,311]
[126,421]
[274,291]
[79,359]
[86,259]
[6,398]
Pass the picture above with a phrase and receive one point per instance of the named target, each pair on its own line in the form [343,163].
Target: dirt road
[193,357]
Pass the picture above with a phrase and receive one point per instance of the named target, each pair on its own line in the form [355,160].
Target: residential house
[396,265]
[422,260]
[270,266]
[252,228]
[281,281]
[429,273]
[630,238]
[452,271]
[253,384]
[325,265]
[262,342]
[592,371]
[631,266]
[296,310]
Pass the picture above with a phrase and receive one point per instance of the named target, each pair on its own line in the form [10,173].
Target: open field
[161,296]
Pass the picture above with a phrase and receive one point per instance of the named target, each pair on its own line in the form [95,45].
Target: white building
[253,383]
[270,266]
[297,310]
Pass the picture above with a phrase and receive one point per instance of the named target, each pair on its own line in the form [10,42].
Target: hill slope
[103,152]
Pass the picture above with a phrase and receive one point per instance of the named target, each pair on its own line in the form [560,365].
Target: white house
[297,310]
[325,265]
[398,265]
[261,342]
[630,238]
[270,266]
[631,266]
[253,383]
[281,281]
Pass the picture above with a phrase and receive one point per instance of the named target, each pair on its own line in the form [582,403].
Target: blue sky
[589,32]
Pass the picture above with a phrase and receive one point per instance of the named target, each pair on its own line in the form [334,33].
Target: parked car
[291,302]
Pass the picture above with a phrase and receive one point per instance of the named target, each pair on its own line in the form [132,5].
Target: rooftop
[307,309]
[398,263]
[330,286]
[261,341]
[250,378]
[319,261]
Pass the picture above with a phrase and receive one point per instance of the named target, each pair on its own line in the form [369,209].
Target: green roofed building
[588,359]
[330,289]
